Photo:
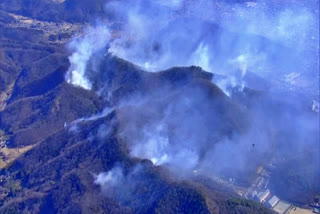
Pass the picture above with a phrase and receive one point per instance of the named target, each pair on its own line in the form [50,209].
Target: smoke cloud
[262,45]
[132,187]
[109,180]
[83,47]
[225,38]
[238,39]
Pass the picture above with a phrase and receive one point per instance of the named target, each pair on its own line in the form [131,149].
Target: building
[254,193]
[262,196]
[261,182]
[273,201]
[315,106]
[259,170]
[2,144]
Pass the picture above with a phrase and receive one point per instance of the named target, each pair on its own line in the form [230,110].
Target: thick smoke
[189,130]
[186,129]
[225,38]
[243,38]
[83,47]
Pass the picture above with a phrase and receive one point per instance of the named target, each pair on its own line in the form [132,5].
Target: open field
[9,155]
[297,210]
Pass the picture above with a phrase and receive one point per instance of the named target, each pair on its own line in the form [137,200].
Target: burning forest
[175,106]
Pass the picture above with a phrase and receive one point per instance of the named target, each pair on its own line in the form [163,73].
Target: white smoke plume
[110,179]
[130,186]
[83,47]
[266,38]
[73,126]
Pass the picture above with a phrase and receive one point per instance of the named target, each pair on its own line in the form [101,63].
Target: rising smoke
[185,129]
[132,187]
[83,47]
[223,38]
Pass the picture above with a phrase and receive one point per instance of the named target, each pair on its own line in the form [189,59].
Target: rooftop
[273,201]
